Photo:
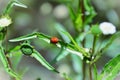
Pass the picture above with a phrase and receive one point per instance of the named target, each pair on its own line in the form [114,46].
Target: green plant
[5,21]
[82,20]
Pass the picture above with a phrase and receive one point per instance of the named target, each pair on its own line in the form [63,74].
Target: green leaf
[26,37]
[81,37]
[30,51]
[19,4]
[6,64]
[71,38]
[80,49]
[76,63]
[90,12]
[15,55]
[13,3]
[62,54]
[68,47]
[90,17]
[60,30]
[16,48]
[110,41]
[39,57]
[66,36]
[72,13]
[76,17]
[16,58]
[79,21]
[3,32]
[111,69]
[87,5]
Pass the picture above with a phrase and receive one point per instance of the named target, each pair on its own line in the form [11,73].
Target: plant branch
[81,5]
[90,71]
[84,69]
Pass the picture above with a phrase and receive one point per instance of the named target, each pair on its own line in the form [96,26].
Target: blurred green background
[41,15]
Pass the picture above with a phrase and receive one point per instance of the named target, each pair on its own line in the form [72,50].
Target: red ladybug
[54,40]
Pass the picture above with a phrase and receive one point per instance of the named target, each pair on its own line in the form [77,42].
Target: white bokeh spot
[60,11]
[107,28]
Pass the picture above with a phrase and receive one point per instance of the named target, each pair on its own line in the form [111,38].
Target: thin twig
[81,5]
[84,69]
[90,71]
[8,59]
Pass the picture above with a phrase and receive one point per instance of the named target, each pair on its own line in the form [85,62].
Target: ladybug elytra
[54,40]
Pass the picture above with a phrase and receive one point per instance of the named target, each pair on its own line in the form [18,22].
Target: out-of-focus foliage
[42,15]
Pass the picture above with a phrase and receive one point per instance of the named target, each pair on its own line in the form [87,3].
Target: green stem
[94,44]
[11,4]
[81,5]
[90,71]
[8,8]
[6,64]
[84,69]
[10,64]
[94,41]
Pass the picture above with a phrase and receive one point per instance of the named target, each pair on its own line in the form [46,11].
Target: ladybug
[54,40]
